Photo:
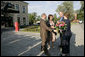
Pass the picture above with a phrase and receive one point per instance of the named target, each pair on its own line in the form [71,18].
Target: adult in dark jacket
[66,36]
[51,35]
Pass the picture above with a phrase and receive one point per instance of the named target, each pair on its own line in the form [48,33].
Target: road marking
[14,41]
[41,52]
[29,49]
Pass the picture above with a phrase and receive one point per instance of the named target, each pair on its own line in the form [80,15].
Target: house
[12,11]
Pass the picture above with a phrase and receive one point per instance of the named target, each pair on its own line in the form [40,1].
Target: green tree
[66,6]
[60,8]
[38,18]
[55,18]
[82,5]
[80,12]
[32,18]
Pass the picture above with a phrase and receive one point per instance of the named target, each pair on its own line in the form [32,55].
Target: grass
[74,23]
[35,29]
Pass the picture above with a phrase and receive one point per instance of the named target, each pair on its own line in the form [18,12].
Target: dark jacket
[48,32]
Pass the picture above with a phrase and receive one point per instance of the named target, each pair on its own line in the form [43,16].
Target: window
[24,20]
[10,5]
[17,7]
[23,9]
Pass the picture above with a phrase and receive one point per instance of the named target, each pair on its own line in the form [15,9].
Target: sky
[48,7]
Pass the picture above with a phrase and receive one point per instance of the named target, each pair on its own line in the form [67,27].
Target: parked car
[80,21]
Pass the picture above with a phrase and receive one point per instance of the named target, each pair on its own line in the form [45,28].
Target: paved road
[77,40]
[82,25]
[28,44]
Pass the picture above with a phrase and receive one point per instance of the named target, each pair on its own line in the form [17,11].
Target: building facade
[22,16]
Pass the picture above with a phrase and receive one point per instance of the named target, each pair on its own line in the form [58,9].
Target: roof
[24,2]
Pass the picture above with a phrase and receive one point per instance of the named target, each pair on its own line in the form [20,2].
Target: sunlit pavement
[28,44]
[82,25]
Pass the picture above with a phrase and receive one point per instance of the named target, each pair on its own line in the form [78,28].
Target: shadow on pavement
[22,45]
[75,50]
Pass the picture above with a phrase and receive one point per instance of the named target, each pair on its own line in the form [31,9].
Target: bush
[24,26]
[32,29]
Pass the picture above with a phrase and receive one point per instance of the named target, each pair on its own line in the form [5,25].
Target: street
[29,44]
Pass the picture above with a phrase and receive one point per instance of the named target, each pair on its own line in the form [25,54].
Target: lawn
[74,23]
[32,29]
[35,29]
